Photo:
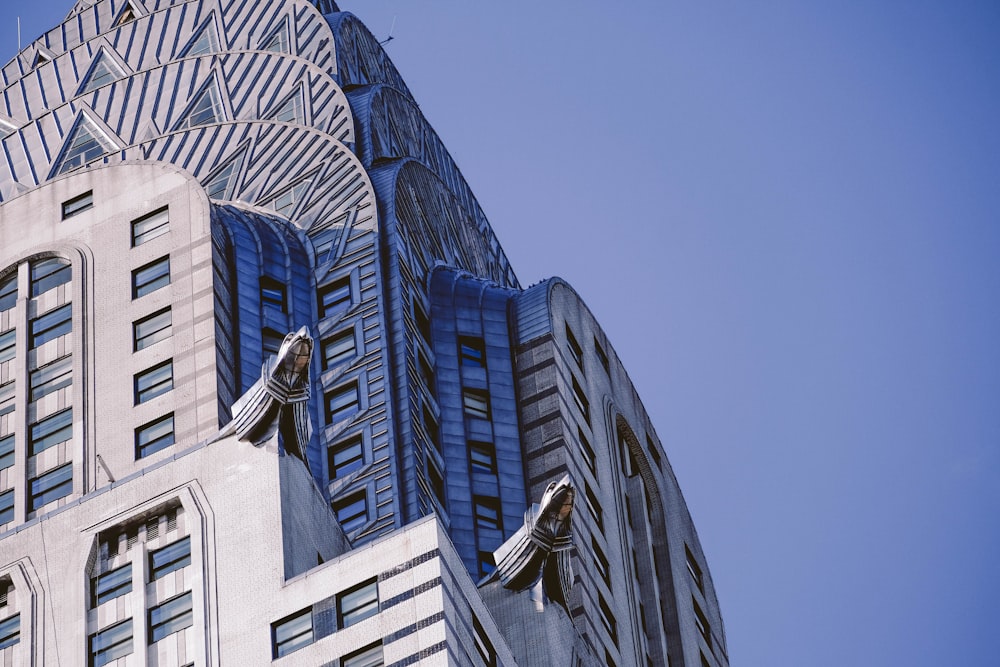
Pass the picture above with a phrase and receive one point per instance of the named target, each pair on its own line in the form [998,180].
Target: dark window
[154,381]
[346,457]
[694,569]
[48,274]
[148,227]
[50,486]
[423,322]
[602,356]
[432,429]
[111,643]
[151,277]
[151,329]
[7,506]
[369,656]
[589,457]
[654,451]
[272,341]
[484,647]
[607,618]
[8,292]
[338,348]
[357,604]
[291,633]
[169,617]
[77,204]
[154,436]
[51,325]
[8,345]
[593,506]
[172,557]
[472,351]
[704,661]
[608,660]
[273,293]
[476,403]
[701,622]
[601,562]
[483,457]
[352,511]
[50,377]
[575,350]
[10,631]
[6,451]
[581,400]
[335,297]
[51,431]
[487,563]
[111,584]
[342,402]
[436,481]
[487,512]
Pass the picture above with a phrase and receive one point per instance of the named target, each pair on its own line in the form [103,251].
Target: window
[290,111]
[111,585]
[8,345]
[6,452]
[602,356]
[205,110]
[10,631]
[149,226]
[346,457]
[581,400]
[273,293]
[483,645]
[694,569]
[271,341]
[487,512]
[154,381]
[151,329]
[169,617]
[50,486]
[589,457]
[483,457]
[85,144]
[335,297]
[436,481]
[53,430]
[476,403]
[342,402]
[601,562]
[77,204]
[472,352]
[487,563]
[575,350]
[357,604]
[593,506]
[338,348]
[203,42]
[8,292]
[172,557]
[7,506]
[50,377]
[151,277]
[369,656]
[352,511]
[154,436]
[111,643]
[701,622]
[432,428]
[104,70]
[422,322]
[51,325]
[607,618]
[48,274]
[291,633]
[704,661]
[654,451]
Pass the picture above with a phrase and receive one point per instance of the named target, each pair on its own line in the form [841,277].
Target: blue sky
[786,215]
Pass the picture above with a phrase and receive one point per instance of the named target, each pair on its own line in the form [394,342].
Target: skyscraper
[271,391]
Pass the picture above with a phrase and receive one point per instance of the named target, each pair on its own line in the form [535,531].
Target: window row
[353,606]
[163,620]
[576,351]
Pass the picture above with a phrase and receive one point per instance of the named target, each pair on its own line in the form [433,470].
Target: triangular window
[127,14]
[206,108]
[204,41]
[104,70]
[40,59]
[291,110]
[277,40]
[84,144]
[288,201]
[221,184]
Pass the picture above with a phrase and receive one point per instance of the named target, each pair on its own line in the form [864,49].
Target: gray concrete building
[270,391]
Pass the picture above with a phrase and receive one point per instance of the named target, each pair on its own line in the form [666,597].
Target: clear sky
[786,215]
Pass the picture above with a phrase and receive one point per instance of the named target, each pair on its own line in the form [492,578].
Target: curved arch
[361,60]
